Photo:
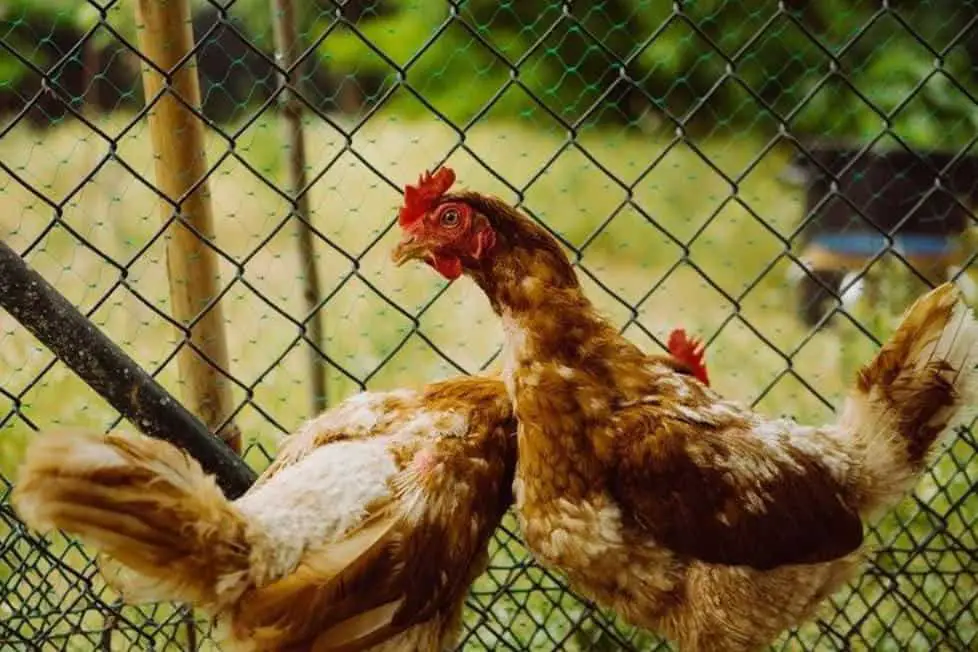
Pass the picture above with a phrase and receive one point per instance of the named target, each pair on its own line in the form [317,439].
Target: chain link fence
[780,178]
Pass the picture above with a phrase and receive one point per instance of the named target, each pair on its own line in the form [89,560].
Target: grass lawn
[728,291]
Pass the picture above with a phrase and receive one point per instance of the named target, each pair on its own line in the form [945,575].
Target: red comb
[690,352]
[420,199]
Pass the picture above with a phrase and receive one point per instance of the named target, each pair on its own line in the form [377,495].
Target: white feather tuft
[872,419]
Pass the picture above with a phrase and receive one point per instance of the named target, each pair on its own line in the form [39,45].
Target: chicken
[688,514]
[364,533]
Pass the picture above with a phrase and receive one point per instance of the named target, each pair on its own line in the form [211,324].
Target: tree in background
[839,69]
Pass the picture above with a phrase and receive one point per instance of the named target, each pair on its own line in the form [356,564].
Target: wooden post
[165,38]
[287,46]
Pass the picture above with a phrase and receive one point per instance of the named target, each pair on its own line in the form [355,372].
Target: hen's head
[456,232]
[439,229]
[689,351]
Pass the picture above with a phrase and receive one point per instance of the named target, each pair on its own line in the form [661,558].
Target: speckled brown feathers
[364,534]
[751,507]
[688,514]
[419,551]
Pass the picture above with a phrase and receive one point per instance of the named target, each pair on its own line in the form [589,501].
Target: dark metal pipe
[117,378]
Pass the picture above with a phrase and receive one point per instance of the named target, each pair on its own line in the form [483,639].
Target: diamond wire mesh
[649,136]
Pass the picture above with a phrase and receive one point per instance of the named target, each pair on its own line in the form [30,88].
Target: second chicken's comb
[690,352]
[421,198]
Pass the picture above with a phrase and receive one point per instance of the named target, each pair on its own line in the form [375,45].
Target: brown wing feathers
[731,503]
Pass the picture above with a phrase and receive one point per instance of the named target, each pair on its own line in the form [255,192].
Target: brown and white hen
[365,532]
[688,514]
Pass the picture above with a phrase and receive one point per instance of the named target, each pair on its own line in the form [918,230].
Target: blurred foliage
[835,68]
[17,18]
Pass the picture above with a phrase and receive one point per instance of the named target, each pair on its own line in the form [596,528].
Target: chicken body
[688,514]
[364,533]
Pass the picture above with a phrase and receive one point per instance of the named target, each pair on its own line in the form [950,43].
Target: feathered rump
[920,385]
[146,505]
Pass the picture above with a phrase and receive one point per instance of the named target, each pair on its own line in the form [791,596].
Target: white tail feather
[919,388]
[162,526]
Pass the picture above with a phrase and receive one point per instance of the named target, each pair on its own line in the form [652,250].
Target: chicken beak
[410,248]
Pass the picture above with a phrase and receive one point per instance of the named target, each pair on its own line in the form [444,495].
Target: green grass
[352,206]
[119,215]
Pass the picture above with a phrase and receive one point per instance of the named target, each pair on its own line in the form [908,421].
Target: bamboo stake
[165,38]
[287,47]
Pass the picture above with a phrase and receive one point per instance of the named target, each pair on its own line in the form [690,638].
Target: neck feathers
[528,268]
[532,284]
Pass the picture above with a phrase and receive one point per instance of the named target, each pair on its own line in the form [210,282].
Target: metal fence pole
[97,360]
[166,40]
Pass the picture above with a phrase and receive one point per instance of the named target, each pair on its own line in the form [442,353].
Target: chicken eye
[450,218]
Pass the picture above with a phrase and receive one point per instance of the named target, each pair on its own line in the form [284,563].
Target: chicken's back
[418,463]
[323,495]
[331,470]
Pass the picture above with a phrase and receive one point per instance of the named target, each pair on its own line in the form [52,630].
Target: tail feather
[918,388]
[166,527]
